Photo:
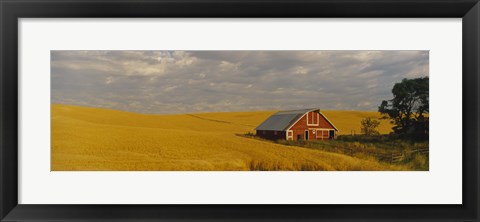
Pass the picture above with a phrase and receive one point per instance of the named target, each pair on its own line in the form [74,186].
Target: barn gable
[314,119]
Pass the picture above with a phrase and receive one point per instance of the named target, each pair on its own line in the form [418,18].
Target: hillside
[100,139]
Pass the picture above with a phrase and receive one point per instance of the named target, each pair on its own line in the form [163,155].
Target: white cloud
[225,66]
[170,88]
[109,80]
[301,70]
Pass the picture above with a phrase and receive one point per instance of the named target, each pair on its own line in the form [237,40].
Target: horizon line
[180,113]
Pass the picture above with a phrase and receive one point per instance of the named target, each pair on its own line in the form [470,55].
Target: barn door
[331,134]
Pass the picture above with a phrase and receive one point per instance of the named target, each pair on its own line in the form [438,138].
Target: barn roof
[280,121]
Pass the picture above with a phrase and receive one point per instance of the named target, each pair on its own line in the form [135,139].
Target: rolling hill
[93,139]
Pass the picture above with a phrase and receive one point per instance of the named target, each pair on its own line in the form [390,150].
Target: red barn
[305,124]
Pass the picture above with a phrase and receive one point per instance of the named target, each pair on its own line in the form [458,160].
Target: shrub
[369,126]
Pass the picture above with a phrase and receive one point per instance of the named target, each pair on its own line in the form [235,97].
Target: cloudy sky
[206,81]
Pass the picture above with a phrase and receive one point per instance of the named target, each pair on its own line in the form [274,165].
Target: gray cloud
[206,81]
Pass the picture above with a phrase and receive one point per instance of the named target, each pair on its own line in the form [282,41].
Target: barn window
[313,118]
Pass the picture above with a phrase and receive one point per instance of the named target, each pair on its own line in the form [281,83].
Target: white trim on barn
[316,130]
[321,133]
[328,121]
[288,132]
[291,125]
[318,119]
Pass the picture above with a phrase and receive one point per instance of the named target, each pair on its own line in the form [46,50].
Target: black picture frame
[12,10]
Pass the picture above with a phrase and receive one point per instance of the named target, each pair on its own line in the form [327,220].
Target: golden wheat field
[91,139]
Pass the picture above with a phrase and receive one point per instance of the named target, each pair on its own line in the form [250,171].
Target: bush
[365,138]
[369,126]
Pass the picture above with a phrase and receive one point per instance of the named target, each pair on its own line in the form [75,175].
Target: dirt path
[218,121]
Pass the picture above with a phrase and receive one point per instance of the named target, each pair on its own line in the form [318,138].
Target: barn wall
[313,134]
[300,127]
[271,135]
[324,123]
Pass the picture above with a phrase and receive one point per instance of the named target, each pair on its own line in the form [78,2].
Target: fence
[398,157]
[390,157]
[393,157]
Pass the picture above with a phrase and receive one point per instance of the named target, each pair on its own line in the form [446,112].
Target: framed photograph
[226,110]
[230,110]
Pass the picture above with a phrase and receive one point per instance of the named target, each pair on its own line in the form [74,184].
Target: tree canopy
[409,108]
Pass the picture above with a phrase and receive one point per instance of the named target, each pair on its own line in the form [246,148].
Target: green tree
[408,110]
[369,126]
